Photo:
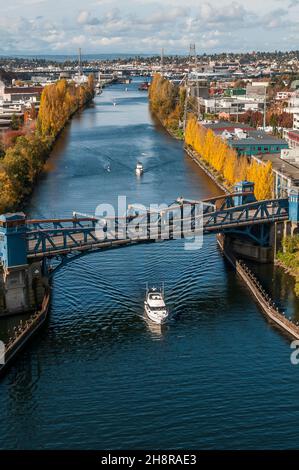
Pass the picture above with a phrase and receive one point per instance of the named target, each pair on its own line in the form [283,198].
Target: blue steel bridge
[23,241]
[33,249]
[60,237]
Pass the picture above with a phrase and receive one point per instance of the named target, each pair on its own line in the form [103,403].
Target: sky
[147,26]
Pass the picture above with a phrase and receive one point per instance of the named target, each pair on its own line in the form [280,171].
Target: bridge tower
[256,242]
[291,227]
[244,187]
[21,284]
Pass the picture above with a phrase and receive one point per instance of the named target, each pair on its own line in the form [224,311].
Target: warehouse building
[247,140]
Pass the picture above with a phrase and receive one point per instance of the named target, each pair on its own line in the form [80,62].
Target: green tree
[15,122]
[2,151]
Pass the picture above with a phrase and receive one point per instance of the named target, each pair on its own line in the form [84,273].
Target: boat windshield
[155,296]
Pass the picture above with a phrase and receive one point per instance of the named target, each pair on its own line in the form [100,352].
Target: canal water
[98,375]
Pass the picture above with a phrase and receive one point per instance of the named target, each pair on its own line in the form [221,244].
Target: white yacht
[139,169]
[155,307]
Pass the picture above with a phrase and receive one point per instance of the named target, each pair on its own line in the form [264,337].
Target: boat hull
[153,316]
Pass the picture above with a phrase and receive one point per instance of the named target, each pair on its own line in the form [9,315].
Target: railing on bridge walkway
[182,219]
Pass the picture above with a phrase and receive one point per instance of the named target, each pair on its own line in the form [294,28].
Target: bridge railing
[57,235]
[253,212]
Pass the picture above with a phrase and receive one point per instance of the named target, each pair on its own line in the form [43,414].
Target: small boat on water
[139,169]
[144,86]
[154,305]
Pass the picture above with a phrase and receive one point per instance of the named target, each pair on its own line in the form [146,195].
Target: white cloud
[146,26]
[85,17]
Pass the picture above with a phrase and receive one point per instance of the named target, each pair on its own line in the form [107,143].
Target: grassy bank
[24,158]
[289,258]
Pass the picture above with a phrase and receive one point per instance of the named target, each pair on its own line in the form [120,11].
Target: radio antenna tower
[193,58]
[192,51]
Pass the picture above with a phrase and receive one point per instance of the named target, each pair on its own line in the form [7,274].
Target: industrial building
[286,174]
[18,93]
[292,137]
[247,140]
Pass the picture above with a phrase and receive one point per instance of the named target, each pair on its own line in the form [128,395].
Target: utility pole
[185,104]
[191,48]
[192,54]
[80,62]
[265,109]
[162,60]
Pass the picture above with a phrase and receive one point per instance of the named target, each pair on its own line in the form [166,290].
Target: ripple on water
[99,375]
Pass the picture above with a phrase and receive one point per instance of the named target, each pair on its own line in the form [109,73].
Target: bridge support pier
[22,289]
[246,249]
[21,284]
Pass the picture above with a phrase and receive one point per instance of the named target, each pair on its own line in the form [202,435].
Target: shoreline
[244,272]
[200,162]
[195,157]
[24,203]
[263,300]
[24,333]
[290,271]
[47,142]
[167,129]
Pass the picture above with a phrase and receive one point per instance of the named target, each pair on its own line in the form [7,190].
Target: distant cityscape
[259,89]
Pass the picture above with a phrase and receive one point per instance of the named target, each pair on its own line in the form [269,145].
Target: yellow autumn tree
[23,161]
[167,101]
[58,102]
[225,160]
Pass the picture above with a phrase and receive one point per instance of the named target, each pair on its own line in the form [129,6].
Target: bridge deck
[59,237]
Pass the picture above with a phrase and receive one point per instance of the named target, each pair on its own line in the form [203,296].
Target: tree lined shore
[230,167]
[23,159]
[288,258]
[167,103]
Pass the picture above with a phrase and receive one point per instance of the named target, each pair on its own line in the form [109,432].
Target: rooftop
[22,90]
[281,166]
[253,136]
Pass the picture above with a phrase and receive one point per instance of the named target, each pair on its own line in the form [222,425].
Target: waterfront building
[233,105]
[292,135]
[247,140]
[286,174]
[17,93]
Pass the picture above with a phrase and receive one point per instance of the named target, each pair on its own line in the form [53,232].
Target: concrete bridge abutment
[246,249]
[22,285]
